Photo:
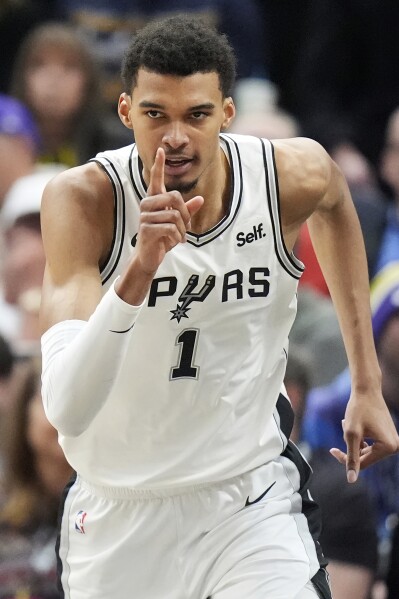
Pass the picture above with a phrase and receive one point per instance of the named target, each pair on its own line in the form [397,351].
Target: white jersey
[199,396]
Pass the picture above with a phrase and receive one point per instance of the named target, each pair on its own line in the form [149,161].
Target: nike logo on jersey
[260,496]
[79,521]
[254,235]
[134,240]
[125,331]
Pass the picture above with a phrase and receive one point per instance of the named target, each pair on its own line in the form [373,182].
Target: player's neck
[217,199]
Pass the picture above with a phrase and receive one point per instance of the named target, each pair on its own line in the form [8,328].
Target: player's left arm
[321,196]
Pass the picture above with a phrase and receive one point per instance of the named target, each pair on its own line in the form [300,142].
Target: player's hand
[164,220]
[369,432]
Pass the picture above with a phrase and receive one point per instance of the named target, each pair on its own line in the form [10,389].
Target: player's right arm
[80,355]
[85,334]
[77,223]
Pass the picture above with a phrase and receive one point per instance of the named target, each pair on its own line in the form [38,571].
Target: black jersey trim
[290,255]
[120,219]
[234,158]
[123,226]
[136,174]
[132,179]
[271,213]
[59,528]
[237,185]
[285,414]
[290,266]
[104,265]
[321,584]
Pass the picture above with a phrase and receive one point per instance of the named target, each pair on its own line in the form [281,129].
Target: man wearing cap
[23,258]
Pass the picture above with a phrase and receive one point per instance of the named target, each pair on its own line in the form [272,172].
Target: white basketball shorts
[250,537]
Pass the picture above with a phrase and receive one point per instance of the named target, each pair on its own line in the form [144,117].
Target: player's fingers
[172,207]
[166,231]
[338,455]
[372,454]
[166,201]
[167,216]
[342,458]
[353,446]
[157,181]
[193,206]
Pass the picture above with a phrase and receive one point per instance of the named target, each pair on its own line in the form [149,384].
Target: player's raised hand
[157,177]
[164,219]
[369,432]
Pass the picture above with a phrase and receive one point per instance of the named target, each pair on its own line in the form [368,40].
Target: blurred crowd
[318,68]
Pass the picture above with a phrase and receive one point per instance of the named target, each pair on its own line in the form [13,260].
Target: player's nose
[175,136]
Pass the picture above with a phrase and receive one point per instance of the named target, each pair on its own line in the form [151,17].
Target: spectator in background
[348,527]
[389,245]
[109,27]
[345,82]
[56,76]
[17,17]
[260,115]
[23,259]
[6,370]
[392,578]
[19,142]
[326,406]
[35,474]
[284,24]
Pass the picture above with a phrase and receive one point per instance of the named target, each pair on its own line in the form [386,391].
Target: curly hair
[180,46]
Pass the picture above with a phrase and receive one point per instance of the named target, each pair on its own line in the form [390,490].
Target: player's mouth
[177,165]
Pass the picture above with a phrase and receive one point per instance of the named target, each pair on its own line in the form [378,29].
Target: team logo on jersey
[79,521]
[233,285]
[188,295]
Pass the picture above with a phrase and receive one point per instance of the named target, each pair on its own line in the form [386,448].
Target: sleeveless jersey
[199,396]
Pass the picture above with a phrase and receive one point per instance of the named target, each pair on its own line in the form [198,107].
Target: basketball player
[169,294]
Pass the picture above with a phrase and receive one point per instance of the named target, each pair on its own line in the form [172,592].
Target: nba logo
[79,521]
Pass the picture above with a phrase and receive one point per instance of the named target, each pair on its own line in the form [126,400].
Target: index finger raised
[353,443]
[157,182]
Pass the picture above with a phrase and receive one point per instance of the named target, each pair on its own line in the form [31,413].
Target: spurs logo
[188,295]
[233,285]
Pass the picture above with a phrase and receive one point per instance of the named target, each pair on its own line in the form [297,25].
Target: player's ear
[229,111]
[124,106]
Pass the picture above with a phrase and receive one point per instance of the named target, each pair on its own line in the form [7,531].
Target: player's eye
[199,115]
[154,114]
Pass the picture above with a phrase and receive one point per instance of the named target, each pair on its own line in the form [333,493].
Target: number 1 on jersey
[185,368]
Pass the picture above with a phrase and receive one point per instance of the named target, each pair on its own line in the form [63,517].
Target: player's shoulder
[77,207]
[305,158]
[79,203]
[304,161]
[85,183]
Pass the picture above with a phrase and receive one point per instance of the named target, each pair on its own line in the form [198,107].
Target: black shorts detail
[321,584]
[286,414]
[310,508]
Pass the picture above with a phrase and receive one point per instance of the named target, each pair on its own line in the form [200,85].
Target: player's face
[184,116]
